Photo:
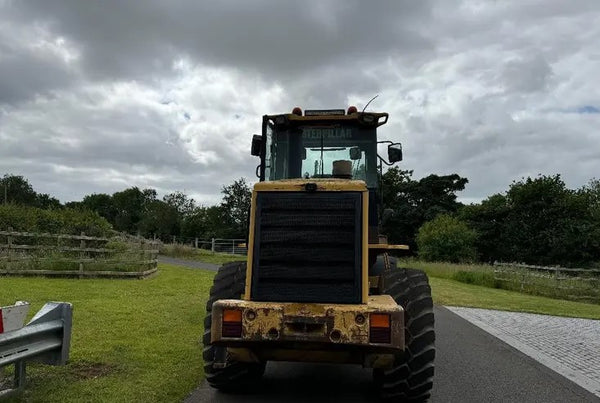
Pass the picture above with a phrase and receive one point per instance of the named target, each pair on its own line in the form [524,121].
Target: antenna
[369,102]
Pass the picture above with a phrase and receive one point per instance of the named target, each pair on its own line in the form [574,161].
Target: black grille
[307,247]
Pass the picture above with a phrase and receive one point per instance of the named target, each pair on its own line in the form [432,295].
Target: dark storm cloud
[131,39]
[98,96]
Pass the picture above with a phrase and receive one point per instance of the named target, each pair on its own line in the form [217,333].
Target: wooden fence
[559,282]
[26,253]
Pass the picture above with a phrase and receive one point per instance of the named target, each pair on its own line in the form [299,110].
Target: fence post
[9,242]
[212,245]
[522,280]
[233,246]
[196,243]
[556,281]
[142,267]
[81,254]
[173,239]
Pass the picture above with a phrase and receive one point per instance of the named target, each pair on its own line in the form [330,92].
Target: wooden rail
[79,255]
[554,281]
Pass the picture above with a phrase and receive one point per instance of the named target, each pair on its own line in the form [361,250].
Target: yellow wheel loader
[318,284]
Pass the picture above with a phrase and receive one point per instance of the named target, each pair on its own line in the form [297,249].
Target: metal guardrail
[234,246]
[46,338]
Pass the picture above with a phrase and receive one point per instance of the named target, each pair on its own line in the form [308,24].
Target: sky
[98,96]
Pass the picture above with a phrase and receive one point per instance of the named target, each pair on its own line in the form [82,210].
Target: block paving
[572,342]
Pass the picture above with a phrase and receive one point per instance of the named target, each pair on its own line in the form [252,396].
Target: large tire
[229,283]
[411,378]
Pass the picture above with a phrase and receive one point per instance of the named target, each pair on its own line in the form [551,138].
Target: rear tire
[411,378]
[229,283]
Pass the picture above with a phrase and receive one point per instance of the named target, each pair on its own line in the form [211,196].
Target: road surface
[471,366]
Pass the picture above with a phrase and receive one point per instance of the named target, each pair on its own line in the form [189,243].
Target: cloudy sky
[97,96]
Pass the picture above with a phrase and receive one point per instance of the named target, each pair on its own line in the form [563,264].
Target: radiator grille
[307,247]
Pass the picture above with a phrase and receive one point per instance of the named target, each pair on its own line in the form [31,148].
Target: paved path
[194,264]
[471,366]
[570,346]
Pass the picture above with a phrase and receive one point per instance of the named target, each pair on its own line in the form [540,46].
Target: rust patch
[337,323]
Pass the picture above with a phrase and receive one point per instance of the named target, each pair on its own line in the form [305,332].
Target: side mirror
[355,153]
[256,145]
[394,152]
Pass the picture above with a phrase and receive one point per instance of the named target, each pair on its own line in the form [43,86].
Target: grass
[202,255]
[535,283]
[455,293]
[132,340]
[140,340]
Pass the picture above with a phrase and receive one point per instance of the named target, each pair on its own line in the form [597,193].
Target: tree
[537,221]
[446,239]
[102,204]
[159,219]
[415,202]
[236,207]
[16,189]
[129,207]
[489,220]
[45,201]
[205,223]
[181,202]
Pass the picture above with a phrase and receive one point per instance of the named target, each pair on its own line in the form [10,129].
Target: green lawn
[133,340]
[454,293]
[201,255]
[481,274]
[140,340]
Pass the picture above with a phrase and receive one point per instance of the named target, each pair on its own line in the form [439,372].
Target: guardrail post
[19,374]
[212,245]
[233,246]
[196,243]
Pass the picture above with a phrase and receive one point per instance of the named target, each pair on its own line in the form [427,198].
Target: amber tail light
[232,323]
[379,328]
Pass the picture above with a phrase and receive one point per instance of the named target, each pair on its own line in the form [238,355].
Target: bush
[63,221]
[446,239]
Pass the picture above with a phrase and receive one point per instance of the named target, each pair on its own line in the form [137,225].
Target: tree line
[537,220]
[141,211]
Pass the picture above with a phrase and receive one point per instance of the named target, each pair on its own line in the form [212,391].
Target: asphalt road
[471,366]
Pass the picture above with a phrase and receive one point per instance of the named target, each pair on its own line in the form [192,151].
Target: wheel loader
[319,284]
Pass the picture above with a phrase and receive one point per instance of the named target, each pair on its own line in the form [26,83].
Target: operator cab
[322,144]
[329,143]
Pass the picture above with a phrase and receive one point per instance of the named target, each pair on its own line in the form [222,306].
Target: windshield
[310,152]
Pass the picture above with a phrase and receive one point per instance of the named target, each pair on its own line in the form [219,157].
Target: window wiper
[328,149]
